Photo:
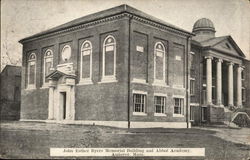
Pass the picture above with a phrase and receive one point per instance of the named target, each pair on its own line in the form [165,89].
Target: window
[159,63]
[86,62]
[179,106]
[192,86]
[159,103]
[31,71]
[47,65]
[191,58]
[109,59]
[243,75]
[139,102]
[192,110]
[204,114]
[243,95]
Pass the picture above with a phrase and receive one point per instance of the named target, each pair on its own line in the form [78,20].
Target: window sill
[160,115]
[44,87]
[178,87]
[85,82]
[159,83]
[140,81]
[31,88]
[108,80]
[139,114]
[178,115]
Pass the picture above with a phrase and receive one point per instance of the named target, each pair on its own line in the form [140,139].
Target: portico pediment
[56,75]
[223,45]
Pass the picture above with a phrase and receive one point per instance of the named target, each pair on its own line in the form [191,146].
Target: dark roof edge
[126,9]
[237,47]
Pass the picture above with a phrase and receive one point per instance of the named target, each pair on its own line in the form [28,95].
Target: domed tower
[203,29]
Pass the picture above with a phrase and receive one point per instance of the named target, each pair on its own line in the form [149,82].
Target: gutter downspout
[129,39]
[187,85]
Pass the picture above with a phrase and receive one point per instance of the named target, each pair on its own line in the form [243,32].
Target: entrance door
[63,104]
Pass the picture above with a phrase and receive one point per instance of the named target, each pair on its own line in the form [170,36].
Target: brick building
[119,67]
[10,92]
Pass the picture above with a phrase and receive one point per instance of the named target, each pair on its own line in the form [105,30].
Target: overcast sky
[22,18]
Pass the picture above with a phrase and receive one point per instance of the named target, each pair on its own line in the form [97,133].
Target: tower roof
[203,24]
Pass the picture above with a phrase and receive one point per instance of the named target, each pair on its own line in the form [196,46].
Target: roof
[107,13]
[203,23]
[11,66]
[213,41]
[210,43]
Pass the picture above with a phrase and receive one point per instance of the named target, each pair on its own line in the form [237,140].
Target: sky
[22,18]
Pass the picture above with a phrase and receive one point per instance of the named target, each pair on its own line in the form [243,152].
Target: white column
[230,84]
[209,79]
[239,86]
[51,103]
[218,82]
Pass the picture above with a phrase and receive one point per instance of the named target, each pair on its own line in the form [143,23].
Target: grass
[33,140]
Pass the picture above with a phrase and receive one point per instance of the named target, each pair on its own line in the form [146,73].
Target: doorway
[63,104]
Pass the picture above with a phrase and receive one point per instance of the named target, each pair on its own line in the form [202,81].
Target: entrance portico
[61,94]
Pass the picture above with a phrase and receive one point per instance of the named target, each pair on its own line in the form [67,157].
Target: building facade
[119,67]
[10,93]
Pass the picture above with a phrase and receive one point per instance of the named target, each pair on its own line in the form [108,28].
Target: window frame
[89,79]
[203,117]
[243,94]
[164,104]
[50,58]
[62,51]
[108,78]
[182,98]
[31,62]
[191,114]
[144,94]
[160,82]
[192,86]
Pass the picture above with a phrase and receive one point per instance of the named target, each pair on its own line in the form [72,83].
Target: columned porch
[222,82]
[222,87]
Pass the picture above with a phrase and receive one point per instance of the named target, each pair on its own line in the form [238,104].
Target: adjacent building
[10,93]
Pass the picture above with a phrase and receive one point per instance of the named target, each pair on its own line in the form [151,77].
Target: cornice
[160,26]
[103,20]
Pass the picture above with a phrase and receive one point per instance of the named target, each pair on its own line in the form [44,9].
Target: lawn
[33,140]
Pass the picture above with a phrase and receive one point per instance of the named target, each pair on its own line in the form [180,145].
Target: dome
[203,24]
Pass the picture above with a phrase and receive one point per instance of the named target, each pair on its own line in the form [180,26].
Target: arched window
[32,71]
[47,64]
[109,59]
[159,63]
[86,62]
